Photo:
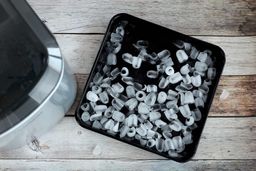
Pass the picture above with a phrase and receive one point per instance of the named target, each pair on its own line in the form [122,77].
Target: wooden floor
[229,138]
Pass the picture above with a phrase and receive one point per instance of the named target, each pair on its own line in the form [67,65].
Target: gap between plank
[70,33]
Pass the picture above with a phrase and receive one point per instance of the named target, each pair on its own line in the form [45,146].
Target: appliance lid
[30,62]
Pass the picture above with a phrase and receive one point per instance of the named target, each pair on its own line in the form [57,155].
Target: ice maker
[36,86]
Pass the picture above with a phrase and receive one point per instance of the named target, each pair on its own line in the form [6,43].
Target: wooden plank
[235,96]
[222,138]
[199,17]
[81,50]
[126,165]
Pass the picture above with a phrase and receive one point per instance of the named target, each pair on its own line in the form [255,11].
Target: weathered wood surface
[227,143]
[222,138]
[81,50]
[229,17]
[126,165]
[235,96]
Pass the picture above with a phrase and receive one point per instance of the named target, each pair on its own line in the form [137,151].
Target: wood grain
[126,165]
[81,50]
[235,96]
[229,17]
[227,143]
[222,138]
[240,99]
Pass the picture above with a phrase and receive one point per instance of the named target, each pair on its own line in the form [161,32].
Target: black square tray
[138,29]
